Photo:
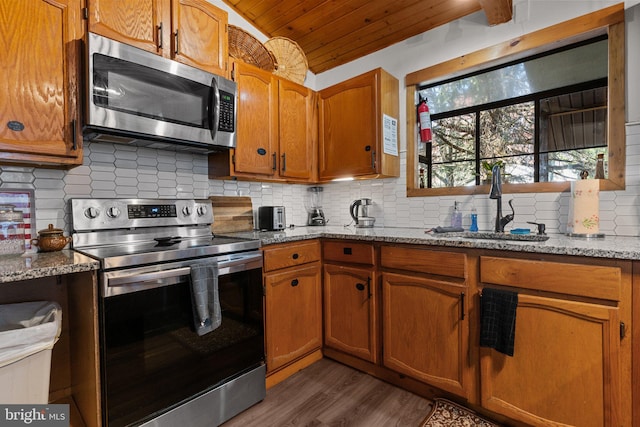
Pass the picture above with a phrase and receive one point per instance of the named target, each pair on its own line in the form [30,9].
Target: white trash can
[28,332]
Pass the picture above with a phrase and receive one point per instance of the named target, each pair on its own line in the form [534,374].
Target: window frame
[609,21]
[535,99]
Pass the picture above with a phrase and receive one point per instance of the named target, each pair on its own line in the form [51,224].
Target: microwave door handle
[214,108]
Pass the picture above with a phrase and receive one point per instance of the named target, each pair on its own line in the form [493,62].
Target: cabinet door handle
[360,287]
[274,167]
[160,36]
[74,135]
[177,42]
[284,162]
[295,256]
[373,160]
[294,282]
[462,307]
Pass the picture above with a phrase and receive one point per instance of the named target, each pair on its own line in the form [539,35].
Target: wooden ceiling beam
[497,11]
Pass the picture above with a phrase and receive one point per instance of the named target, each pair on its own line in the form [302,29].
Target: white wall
[112,170]
[619,210]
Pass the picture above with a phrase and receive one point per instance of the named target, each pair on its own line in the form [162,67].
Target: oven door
[153,361]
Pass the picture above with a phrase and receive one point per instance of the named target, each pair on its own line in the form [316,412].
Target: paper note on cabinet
[390,135]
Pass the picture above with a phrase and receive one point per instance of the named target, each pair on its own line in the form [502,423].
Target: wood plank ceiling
[334,32]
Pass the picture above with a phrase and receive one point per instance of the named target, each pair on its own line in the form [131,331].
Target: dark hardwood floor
[328,393]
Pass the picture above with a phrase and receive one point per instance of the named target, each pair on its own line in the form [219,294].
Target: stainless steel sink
[497,236]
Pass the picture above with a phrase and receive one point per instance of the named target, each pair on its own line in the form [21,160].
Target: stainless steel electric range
[156,370]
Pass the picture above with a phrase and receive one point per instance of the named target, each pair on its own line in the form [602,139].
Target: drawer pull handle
[347,251]
[294,282]
[295,256]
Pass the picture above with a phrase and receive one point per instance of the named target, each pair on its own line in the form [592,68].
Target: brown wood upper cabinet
[276,133]
[193,32]
[40,113]
[351,140]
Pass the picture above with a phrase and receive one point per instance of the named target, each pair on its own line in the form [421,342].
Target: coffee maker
[360,213]
[314,206]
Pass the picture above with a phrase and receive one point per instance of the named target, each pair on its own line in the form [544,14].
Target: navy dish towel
[498,320]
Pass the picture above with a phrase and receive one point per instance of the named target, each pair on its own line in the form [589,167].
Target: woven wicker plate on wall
[244,46]
[291,62]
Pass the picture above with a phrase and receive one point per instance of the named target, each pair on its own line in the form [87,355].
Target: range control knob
[201,210]
[113,212]
[186,211]
[91,213]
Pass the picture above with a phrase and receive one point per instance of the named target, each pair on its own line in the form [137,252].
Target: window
[512,102]
[542,126]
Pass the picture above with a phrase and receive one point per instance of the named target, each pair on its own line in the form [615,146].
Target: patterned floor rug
[446,413]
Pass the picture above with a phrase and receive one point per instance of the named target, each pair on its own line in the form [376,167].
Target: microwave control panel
[227,113]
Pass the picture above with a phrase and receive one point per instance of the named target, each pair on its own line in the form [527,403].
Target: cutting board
[231,214]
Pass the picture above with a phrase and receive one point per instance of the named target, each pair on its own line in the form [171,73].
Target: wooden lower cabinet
[425,316]
[293,303]
[350,319]
[426,331]
[565,368]
[411,316]
[572,357]
[75,357]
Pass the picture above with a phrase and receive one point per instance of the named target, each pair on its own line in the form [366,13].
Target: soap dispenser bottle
[456,216]
[474,220]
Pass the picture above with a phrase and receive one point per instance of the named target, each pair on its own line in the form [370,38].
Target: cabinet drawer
[452,264]
[357,253]
[594,281]
[289,255]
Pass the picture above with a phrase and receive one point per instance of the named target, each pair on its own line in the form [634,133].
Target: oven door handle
[240,264]
[118,283]
[149,277]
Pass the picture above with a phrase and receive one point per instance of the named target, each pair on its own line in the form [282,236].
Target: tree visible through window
[544,118]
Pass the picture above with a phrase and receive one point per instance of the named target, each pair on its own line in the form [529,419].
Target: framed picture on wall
[23,200]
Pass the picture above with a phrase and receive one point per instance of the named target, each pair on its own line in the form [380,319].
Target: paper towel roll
[584,208]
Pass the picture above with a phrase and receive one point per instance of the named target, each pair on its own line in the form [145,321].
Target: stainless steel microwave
[136,97]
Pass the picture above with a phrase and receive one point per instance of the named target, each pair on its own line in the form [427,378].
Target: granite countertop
[44,264]
[27,266]
[616,247]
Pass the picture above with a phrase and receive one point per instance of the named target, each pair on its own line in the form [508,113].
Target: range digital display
[151,211]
